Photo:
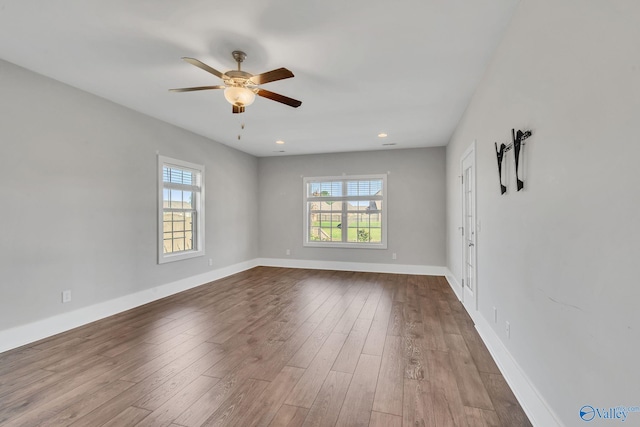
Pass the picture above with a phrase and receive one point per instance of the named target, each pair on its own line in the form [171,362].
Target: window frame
[343,179]
[198,225]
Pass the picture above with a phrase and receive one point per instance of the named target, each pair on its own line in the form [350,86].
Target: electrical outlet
[394,256]
[495,315]
[66,296]
[210,262]
[288,251]
[507,329]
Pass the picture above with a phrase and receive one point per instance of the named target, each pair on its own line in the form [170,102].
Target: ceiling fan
[240,87]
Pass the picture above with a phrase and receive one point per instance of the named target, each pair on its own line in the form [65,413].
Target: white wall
[416,203]
[558,259]
[78,196]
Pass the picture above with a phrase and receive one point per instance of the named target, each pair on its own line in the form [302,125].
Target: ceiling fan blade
[203,66]
[272,76]
[191,89]
[279,98]
[236,109]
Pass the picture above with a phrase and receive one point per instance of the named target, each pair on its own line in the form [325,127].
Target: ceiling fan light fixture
[239,96]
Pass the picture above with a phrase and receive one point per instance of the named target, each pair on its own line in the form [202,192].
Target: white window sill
[346,245]
[179,256]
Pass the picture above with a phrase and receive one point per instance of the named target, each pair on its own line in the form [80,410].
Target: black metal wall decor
[517,145]
[500,155]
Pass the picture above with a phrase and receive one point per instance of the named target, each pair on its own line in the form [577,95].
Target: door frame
[470,156]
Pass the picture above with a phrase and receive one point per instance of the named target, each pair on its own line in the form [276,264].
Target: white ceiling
[404,67]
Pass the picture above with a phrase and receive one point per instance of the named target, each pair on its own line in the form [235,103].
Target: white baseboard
[31,332]
[455,286]
[354,266]
[25,334]
[533,404]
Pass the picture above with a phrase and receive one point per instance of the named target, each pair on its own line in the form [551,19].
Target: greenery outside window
[346,211]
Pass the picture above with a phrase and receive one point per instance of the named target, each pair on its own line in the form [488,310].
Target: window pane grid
[348,211]
[178,232]
[325,221]
[325,189]
[364,219]
[178,199]
[181,190]
[178,176]
[364,188]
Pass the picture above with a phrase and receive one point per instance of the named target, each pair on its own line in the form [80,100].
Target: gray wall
[78,194]
[416,198]
[558,259]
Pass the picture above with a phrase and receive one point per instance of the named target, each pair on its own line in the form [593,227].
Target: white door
[469,285]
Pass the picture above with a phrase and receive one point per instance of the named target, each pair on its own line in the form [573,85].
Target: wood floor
[268,347]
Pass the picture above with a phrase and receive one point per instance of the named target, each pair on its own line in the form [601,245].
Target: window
[180,210]
[346,211]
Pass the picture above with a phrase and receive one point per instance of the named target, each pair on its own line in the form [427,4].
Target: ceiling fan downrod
[239,56]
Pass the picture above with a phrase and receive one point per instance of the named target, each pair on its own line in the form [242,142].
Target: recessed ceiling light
[382,135]
[280,142]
